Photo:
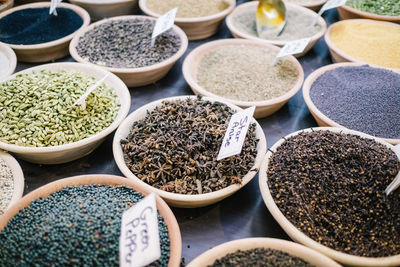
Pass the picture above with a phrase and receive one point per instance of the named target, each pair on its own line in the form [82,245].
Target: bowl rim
[198,52]
[334,48]
[18,177]
[313,108]
[292,248]
[10,54]
[124,100]
[164,210]
[169,196]
[101,3]
[299,236]
[373,16]
[310,5]
[248,5]
[217,16]
[182,49]
[78,10]
[7,5]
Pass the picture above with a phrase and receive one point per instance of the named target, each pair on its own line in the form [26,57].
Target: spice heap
[87,217]
[175,147]
[244,72]
[35,25]
[373,43]
[36,108]
[331,187]
[261,257]
[126,44]
[6,186]
[380,7]
[297,25]
[188,8]
[367,99]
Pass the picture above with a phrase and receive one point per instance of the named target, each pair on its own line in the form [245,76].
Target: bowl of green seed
[122,45]
[39,121]
[240,71]
[261,251]
[326,188]
[77,221]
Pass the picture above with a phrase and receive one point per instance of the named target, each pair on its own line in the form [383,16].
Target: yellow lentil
[372,43]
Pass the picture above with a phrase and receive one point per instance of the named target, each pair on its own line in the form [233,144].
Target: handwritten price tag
[53,6]
[235,133]
[139,242]
[163,24]
[396,182]
[292,48]
[328,5]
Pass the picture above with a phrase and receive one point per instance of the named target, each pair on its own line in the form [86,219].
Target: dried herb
[331,186]
[174,148]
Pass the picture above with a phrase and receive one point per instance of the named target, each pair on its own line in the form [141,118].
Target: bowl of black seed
[261,251]
[76,221]
[122,45]
[367,99]
[326,188]
[171,145]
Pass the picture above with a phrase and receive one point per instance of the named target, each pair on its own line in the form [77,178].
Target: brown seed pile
[174,148]
[331,186]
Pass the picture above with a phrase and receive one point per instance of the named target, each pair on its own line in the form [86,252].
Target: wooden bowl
[7,5]
[299,236]
[340,56]
[75,150]
[347,12]
[134,77]
[18,178]
[174,199]
[12,61]
[196,28]
[112,180]
[108,8]
[310,256]
[263,108]
[237,33]
[50,50]
[320,117]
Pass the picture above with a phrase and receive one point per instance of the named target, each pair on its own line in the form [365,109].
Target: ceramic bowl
[196,28]
[11,58]
[108,8]
[133,77]
[347,12]
[75,150]
[299,236]
[18,176]
[340,56]
[7,5]
[50,50]
[310,256]
[320,117]
[174,199]
[313,5]
[237,33]
[112,180]
[263,108]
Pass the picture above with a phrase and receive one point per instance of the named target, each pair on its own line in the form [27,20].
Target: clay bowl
[347,12]
[75,150]
[108,8]
[195,28]
[337,54]
[7,5]
[50,50]
[18,175]
[174,199]
[12,60]
[237,33]
[134,77]
[320,117]
[300,237]
[112,180]
[263,108]
[311,256]
[313,5]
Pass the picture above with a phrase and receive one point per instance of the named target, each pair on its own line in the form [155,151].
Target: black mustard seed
[77,225]
[35,25]
[331,187]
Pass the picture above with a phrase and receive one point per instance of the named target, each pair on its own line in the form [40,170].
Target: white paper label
[293,47]
[331,4]
[235,133]
[163,23]
[53,6]
[139,242]
[396,182]
[82,100]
